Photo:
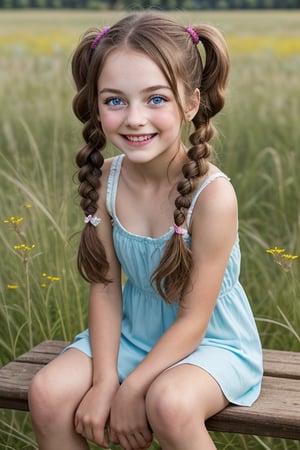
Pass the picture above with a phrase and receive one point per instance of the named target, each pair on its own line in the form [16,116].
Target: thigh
[188,388]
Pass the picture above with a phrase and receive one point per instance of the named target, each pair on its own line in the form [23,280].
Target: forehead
[127,67]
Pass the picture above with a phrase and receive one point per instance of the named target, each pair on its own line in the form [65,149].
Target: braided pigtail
[172,275]
[91,259]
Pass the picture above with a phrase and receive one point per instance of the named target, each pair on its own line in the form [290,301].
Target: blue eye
[157,100]
[115,101]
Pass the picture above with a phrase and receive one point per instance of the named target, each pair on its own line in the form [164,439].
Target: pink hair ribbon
[93,220]
[99,37]
[179,230]
[193,34]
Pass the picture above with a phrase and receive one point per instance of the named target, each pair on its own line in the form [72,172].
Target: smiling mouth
[139,138]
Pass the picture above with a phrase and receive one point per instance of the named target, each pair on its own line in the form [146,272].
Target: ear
[192,105]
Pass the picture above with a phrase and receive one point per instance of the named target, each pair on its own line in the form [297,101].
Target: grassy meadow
[41,294]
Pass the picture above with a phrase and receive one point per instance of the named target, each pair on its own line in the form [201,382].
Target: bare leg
[178,403]
[54,395]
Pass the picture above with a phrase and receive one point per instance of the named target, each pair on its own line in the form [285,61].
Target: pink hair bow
[93,220]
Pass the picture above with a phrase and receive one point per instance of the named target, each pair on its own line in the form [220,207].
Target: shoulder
[217,195]
[215,215]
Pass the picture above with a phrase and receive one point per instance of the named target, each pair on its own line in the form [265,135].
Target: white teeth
[138,138]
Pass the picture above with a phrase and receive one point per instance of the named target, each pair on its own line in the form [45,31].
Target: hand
[128,422]
[92,414]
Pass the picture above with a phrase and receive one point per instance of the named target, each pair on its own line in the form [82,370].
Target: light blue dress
[231,349]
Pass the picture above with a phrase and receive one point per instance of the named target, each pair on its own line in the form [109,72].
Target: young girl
[179,342]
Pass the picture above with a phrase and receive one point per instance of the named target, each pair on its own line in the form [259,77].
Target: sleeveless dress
[231,349]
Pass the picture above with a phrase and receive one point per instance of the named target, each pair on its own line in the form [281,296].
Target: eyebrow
[148,89]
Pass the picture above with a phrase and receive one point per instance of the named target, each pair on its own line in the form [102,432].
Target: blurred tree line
[161,4]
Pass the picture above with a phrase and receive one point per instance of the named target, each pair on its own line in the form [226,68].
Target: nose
[136,117]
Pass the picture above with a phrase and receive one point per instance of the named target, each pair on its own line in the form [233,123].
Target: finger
[131,438]
[137,440]
[144,438]
[140,440]
[101,437]
[113,437]
[87,433]
[134,441]
[126,444]
[80,425]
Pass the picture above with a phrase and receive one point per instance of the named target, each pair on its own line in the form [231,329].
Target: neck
[161,170]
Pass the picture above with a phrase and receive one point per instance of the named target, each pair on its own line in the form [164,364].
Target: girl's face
[137,108]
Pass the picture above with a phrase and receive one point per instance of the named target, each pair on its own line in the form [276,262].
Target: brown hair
[172,48]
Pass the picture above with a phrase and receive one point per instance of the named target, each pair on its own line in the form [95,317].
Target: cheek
[168,119]
[110,122]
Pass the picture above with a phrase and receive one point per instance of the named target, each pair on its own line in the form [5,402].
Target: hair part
[159,38]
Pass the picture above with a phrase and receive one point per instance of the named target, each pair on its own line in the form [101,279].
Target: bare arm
[105,316]
[105,302]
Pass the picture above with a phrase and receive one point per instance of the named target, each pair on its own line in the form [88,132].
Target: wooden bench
[276,413]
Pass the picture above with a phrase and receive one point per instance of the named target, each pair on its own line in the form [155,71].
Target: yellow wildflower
[15,223]
[24,247]
[288,256]
[14,220]
[282,259]
[12,286]
[50,277]
[275,250]
[23,250]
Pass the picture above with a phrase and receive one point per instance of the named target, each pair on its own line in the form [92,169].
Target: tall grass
[41,294]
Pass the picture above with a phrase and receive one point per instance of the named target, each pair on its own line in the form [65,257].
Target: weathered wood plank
[43,353]
[15,378]
[276,413]
[282,364]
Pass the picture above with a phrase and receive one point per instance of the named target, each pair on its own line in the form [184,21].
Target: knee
[45,399]
[168,410]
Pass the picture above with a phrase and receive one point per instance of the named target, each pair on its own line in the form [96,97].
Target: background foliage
[162,4]
[41,294]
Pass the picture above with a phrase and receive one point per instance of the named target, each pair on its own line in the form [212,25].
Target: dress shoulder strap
[205,183]
[112,185]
